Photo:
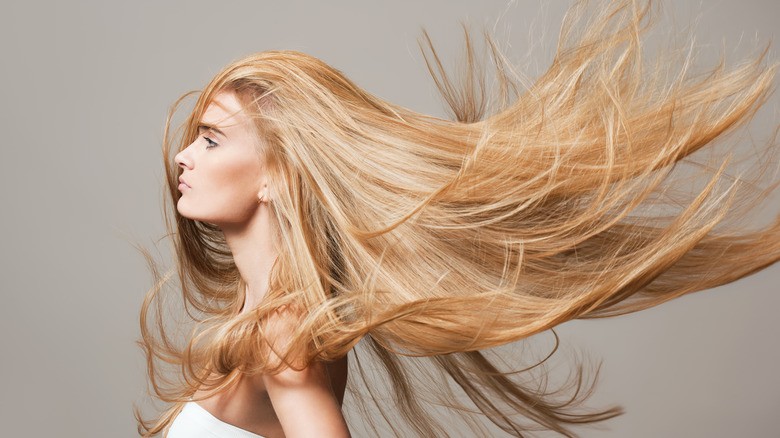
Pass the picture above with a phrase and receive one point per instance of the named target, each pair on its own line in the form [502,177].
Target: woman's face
[222,171]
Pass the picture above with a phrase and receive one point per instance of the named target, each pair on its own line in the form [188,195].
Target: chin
[183,210]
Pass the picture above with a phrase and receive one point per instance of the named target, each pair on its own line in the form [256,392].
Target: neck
[254,252]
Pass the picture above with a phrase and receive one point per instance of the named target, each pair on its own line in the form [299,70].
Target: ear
[263,195]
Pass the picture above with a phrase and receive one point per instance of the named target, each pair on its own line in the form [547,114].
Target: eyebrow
[203,125]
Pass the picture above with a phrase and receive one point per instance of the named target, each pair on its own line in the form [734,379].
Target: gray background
[85,87]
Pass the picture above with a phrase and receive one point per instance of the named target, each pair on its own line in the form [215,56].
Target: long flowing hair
[417,244]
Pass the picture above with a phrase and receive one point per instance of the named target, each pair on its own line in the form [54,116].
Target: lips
[181,180]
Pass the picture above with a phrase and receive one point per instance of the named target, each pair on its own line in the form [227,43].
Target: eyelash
[211,143]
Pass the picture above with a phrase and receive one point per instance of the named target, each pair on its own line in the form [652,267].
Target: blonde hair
[428,241]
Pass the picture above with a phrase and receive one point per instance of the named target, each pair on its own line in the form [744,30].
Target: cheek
[237,184]
[225,190]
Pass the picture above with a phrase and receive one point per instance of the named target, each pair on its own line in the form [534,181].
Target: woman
[230,190]
[313,220]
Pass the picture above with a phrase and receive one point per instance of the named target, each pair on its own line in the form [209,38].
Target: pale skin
[226,186]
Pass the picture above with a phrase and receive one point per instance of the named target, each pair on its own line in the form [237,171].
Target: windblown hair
[426,242]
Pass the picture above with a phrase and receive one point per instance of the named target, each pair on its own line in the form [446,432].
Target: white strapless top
[196,422]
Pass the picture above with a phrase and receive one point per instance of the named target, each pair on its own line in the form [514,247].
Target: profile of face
[222,170]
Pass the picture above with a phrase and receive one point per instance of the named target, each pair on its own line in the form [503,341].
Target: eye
[211,143]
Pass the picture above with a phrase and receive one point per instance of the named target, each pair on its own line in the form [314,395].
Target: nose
[183,159]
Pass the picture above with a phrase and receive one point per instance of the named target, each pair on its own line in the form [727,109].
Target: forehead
[225,111]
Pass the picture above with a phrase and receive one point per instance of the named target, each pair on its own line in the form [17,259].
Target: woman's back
[196,422]
[243,411]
